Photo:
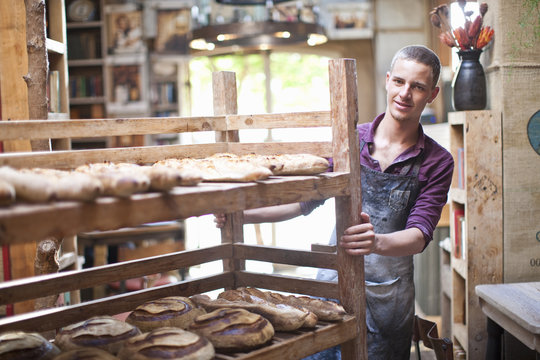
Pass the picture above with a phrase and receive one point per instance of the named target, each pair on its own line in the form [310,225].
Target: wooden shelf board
[458,195]
[67,260]
[58,116]
[86,62]
[63,218]
[459,331]
[460,267]
[84,24]
[87,100]
[446,280]
[54,46]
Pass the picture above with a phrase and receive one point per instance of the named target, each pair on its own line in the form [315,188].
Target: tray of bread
[169,189]
[244,323]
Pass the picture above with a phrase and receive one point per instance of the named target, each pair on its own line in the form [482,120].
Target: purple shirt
[435,176]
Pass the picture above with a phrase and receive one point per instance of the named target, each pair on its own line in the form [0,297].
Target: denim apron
[388,199]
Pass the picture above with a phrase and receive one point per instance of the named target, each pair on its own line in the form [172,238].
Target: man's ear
[434,94]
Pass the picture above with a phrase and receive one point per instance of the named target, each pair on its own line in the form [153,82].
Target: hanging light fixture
[258,35]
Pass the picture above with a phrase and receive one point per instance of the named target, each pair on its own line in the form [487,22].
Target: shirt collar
[370,134]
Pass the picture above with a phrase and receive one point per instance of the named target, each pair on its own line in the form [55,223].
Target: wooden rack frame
[67,218]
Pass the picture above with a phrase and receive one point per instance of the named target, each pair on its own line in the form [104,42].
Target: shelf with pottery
[476,221]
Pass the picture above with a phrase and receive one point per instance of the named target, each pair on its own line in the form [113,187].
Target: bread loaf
[7,193]
[71,185]
[291,164]
[88,353]
[259,297]
[28,187]
[325,310]
[120,180]
[231,330]
[283,318]
[167,343]
[164,178]
[18,345]
[175,311]
[103,332]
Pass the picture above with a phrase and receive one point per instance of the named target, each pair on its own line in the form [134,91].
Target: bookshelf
[169,91]
[86,62]
[476,252]
[56,44]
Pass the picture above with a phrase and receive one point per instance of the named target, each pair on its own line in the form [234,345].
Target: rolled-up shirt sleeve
[426,212]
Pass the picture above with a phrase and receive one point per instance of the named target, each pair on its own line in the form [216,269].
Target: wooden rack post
[346,156]
[226,103]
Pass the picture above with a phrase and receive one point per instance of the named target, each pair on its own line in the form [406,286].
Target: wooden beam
[13,68]
[346,156]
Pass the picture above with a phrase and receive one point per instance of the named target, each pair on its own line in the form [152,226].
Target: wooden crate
[69,218]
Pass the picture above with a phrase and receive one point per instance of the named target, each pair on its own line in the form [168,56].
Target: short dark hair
[423,55]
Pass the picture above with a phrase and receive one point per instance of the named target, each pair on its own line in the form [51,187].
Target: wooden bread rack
[23,222]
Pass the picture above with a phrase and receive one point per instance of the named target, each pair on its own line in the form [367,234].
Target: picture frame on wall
[173,26]
[127,79]
[124,29]
[349,20]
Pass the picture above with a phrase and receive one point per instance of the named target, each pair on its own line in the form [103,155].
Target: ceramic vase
[469,83]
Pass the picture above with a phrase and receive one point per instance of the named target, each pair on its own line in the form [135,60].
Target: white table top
[515,307]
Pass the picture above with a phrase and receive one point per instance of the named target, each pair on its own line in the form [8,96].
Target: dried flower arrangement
[472,36]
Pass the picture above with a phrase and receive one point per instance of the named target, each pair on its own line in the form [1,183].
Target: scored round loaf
[103,332]
[167,343]
[232,330]
[19,345]
[175,311]
[88,353]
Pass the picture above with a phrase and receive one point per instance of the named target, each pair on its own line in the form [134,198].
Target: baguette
[283,317]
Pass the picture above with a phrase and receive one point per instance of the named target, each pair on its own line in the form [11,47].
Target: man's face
[409,88]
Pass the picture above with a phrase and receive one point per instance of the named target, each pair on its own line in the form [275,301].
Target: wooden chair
[426,331]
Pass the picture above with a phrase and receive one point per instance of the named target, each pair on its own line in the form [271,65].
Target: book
[459,220]
[461,168]
[54,91]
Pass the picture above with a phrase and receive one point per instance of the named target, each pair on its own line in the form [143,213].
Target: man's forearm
[400,243]
[272,213]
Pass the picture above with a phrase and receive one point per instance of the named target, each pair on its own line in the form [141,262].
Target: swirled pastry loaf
[167,343]
[19,345]
[286,311]
[326,310]
[103,332]
[175,311]
[232,330]
[283,318]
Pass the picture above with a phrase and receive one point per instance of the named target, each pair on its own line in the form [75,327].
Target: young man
[405,180]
